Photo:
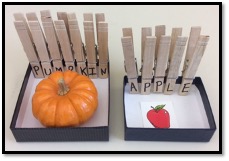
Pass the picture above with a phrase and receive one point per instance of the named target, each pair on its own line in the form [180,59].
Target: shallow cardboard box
[195,121]
[26,128]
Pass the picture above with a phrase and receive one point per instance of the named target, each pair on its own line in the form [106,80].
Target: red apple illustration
[159,117]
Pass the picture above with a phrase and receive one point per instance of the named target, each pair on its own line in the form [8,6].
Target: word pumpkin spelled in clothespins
[58,45]
[161,56]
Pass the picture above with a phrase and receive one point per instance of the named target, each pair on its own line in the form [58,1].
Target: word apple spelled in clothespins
[161,56]
[56,45]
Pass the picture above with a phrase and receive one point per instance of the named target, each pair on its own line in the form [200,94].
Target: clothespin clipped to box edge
[174,64]
[192,65]
[127,41]
[40,43]
[148,57]
[52,40]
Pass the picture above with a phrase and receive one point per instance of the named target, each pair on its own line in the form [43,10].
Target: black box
[26,128]
[196,113]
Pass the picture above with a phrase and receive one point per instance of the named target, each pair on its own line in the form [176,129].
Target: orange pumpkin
[64,99]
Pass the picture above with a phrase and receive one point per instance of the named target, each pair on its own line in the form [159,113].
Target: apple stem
[152,107]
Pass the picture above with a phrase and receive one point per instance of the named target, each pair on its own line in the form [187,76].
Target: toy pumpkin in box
[64,99]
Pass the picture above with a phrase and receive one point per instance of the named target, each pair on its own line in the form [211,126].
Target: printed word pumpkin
[64,99]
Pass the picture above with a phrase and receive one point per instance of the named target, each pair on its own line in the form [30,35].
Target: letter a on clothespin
[130,63]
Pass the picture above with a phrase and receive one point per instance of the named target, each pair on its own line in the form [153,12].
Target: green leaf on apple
[159,107]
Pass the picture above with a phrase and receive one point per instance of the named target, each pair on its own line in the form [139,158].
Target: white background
[118,17]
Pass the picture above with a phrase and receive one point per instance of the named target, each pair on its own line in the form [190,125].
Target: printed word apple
[159,117]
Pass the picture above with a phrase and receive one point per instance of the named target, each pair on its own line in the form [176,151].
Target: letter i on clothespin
[52,40]
[40,43]
[161,63]
[102,38]
[76,40]
[192,65]
[65,44]
[90,45]
[130,61]
[27,43]
[175,56]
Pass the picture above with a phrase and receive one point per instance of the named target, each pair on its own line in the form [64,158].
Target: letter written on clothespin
[103,49]
[52,40]
[148,64]
[130,63]
[161,63]
[90,45]
[174,64]
[192,65]
[27,43]
[65,45]
[176,51]
[40,43]
[75,37]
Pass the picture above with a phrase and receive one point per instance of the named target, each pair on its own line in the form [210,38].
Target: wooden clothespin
[76,40]
[159,31]
[102,41]
[40,43]
[174,60]
[29,49]
[65,44]
[193,38]
[99,17]
[128,32]
[90,45]
[64,16]
[130,63]
[20,17]
[174,64]
[161,63]
[146,31]
[103,49]
[148,64]
[192,65]
[52,40]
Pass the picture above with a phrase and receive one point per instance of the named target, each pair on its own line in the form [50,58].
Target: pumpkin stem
[63,88]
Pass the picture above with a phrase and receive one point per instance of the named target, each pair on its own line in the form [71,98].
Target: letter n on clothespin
[103,49]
